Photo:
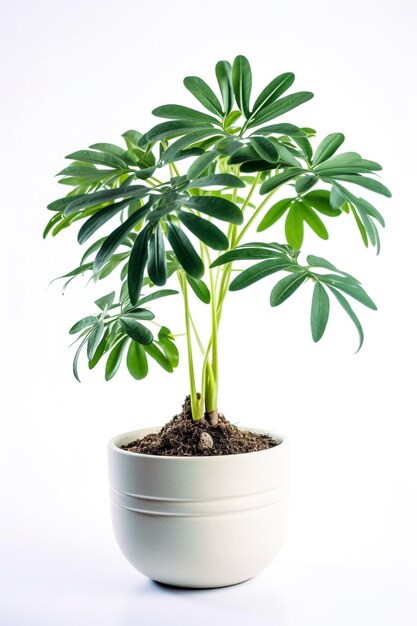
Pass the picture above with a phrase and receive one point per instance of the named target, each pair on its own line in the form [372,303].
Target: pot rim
[112,445]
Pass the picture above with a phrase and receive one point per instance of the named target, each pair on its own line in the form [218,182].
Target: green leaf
[204,94]
[85,201]
[201,164]
[136,361]
[294,226]
[207,232]
[281,106]
[85,322]
[274,213]
[184,251]
[259,271]
[349,286]
[200,289]
[223,180]
[304,183]
[246,253]
[132,138]
[159,357]
[242,83]
[136,331]
[313,220]
[177,147]
[317,261]
[94,339]
[51,223]
[280,129]
[346,163]
[265,148]
[320,307]
[76,357]
[168,346]
[346,306]
[100,218]
[224,78]
[99,351]
[100,158]
[273,91]
[286,287]
[220,208]
[115,358]
[171,129]
[179,112]
[155,295]
[157,268]
[328,147]
[279,179]
[137,264]
[109,148]
[368,183]
[138,313]
[319,200]
[106,301]
[113,241]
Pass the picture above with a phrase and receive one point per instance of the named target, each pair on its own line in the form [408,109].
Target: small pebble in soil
[206,441]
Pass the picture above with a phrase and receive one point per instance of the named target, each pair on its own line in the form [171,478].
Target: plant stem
[195,404]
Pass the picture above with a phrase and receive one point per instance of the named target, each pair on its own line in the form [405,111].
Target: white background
[75,73]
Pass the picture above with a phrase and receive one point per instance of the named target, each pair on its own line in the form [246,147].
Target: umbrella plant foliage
[175,204]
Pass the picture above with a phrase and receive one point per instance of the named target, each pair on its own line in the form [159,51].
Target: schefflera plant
[185,194]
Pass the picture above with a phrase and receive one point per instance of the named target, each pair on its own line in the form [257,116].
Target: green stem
[195,405]
[253,218]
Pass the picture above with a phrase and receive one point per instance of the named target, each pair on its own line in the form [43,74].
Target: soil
[184,437]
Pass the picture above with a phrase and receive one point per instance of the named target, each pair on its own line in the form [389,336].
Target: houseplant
[186,194]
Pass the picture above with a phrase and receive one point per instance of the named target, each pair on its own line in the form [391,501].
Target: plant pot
[203,521]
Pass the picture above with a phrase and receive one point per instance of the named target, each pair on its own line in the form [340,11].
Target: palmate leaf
[214,180]
[273,91]
[99,158]
[200,289]
[328,147]
[157,268]
[242,83]
[113,241]
[279,179]
[224,78]
[137,263]
[249,252]
[207,232]
[176,149]
[179,112]
[115,358]
[320,308]
[281,106]
[258,271]
[165,341]
[204,94]
[201,163]
[286,287]
[171,129]
[136,330]
[184,251]
[220,208]
[136,360]
[157,354]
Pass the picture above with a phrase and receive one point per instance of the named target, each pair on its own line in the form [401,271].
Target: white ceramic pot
[198,521]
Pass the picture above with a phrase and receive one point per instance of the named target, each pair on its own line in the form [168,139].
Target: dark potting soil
[184,437]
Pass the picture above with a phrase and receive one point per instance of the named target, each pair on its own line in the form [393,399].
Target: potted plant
[201,503]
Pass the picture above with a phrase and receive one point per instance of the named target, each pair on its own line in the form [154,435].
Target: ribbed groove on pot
[197,507]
